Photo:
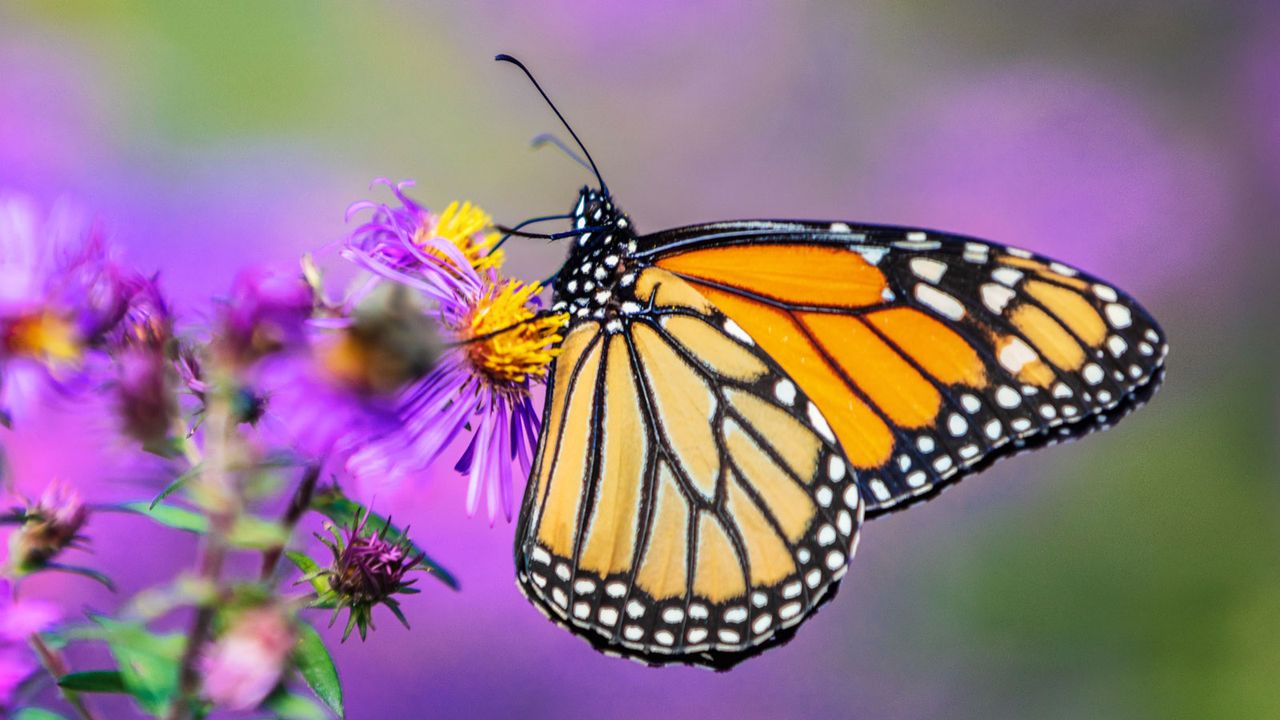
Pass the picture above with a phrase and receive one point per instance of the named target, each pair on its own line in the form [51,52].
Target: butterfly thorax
[587,284]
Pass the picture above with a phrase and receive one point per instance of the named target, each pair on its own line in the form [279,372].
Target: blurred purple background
[1131,575]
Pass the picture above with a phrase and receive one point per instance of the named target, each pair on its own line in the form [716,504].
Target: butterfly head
[596,214]
[598,260]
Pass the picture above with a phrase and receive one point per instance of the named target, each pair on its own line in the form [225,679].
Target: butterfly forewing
[690,503]
[929,354]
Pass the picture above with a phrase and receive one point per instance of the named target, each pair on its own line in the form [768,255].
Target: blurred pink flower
[243,665]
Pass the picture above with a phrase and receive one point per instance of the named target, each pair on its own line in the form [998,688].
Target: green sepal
[311,572]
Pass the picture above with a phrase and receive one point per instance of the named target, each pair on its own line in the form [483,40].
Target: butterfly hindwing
[689,502]
[930,354]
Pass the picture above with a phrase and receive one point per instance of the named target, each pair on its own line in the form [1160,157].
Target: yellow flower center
[45,335]
[505,340]
[468,228]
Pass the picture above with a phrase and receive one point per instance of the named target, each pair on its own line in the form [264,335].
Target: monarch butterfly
[733,399]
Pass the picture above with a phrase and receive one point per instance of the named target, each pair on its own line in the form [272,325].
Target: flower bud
[50,526]
[368,570]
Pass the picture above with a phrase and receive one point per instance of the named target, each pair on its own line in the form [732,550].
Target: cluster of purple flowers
[434,347]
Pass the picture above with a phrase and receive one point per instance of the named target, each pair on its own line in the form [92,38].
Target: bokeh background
[1135,574]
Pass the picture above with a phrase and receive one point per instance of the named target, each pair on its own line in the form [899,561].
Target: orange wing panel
[938,349]
[867,441]
[797,274]
[905,396]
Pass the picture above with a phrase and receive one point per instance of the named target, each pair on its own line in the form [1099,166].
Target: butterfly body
[733,398]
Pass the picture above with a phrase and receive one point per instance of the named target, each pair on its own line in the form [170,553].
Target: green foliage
[148,663]
[315,664]
[284,705]
[248,531]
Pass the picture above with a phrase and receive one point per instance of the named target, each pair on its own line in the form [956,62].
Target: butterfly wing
[930,354]
[689,503]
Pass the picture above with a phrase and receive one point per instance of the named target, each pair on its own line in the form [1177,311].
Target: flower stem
[56,665]
[297,506]
[220,480]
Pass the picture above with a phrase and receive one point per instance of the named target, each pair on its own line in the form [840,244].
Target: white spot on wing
[996,297]
[1015,354]
[871,253]
[1006,276]
[1093,374]
[1119,316]
[1105,293]
[1007,397]
[835,468]
[928,269]
[736,330]
[819,423]
[940,302]
[785,391]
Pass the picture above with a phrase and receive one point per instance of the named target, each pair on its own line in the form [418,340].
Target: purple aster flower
[502,347]
[267,312]
[61,295]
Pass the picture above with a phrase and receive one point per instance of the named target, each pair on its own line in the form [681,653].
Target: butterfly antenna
[549,139]
[503,57]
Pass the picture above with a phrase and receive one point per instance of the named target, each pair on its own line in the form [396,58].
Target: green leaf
[148,662]
[248,531]
[37,714]
[316,667]
[343,511]
[173,487]
[94,681]
[168,515]
[287,706]
[257,533]
[83,572]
